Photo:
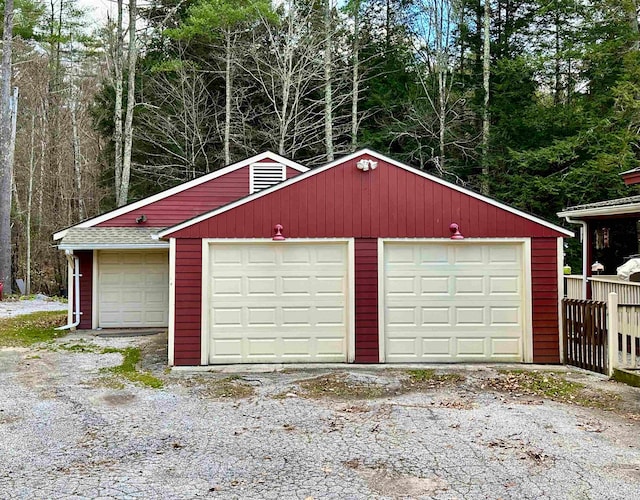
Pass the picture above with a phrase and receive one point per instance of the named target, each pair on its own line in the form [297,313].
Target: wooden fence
[585,334]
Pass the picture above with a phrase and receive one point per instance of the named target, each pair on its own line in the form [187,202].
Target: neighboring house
[353,261]
[610,235]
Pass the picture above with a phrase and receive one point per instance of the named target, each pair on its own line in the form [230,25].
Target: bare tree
[328,63]
[6,166]
[131,98]
[486,73]
[177,123]
[118,63]
[436,117]
[285,66]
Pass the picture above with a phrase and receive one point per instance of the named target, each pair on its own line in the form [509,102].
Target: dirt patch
[554,386]
[391,484]
[505,448]
[6,418]
[625,471]
[231,387]
[343,385]
[118,399]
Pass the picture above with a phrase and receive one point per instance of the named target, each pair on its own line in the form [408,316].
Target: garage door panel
[330,285]
[296,285]
[294,254]
[223,287]
[330,316]
[504,285]
[468,254]
[469,316]
[508,347]
[290,305]
[504,255]
[400,285]
[505,316]
[436,316]
[451,301]
[465,285]
[437,347]
[471,346]
[261,316]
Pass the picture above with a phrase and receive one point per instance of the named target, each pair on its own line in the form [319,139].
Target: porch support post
[612,333]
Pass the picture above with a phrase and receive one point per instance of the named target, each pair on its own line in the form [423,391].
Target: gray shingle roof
[87,238]
[607,203]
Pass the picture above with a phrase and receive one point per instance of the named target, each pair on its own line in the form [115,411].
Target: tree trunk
[557,75]
[442,113]
[486,73]
[117,112]
[6,168]
[32,167]
[328,101]
[128,121]
[43,153]
[77,166]
[632,13]
[227,100]
[355,77]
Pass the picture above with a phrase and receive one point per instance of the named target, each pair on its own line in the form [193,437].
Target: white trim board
[115,246]
[560,295]
[267,155]
[172,303]
[298,178]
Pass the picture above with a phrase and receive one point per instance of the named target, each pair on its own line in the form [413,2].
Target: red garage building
[365,271]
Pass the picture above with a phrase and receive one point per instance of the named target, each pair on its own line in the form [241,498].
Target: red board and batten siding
[544,282]
[188,305]
[344,202]
[366,290]
[389,202]
[191,202]
[86,288]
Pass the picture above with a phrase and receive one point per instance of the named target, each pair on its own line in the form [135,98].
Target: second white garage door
[133,288]
[453,301]
[277,302]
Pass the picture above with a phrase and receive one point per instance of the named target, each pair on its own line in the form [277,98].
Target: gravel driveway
[12,308]
[69,431]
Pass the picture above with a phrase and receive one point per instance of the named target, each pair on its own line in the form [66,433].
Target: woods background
[534,102]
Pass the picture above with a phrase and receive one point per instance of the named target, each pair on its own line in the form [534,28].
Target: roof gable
[111,218]
[320,202]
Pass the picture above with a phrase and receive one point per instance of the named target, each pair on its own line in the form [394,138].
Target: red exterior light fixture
[277,229]
[455,232]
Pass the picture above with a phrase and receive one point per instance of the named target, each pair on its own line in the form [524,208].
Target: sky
[97,9]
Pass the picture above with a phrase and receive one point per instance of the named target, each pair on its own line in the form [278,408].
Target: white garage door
[277,302]
[133,289]
[454,301]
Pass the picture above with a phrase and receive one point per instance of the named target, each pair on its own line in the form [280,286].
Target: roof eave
[114,246]
[601,211]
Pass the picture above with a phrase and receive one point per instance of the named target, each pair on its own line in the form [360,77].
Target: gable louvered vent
[264,175]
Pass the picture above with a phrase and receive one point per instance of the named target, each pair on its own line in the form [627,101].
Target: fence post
[612,332]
